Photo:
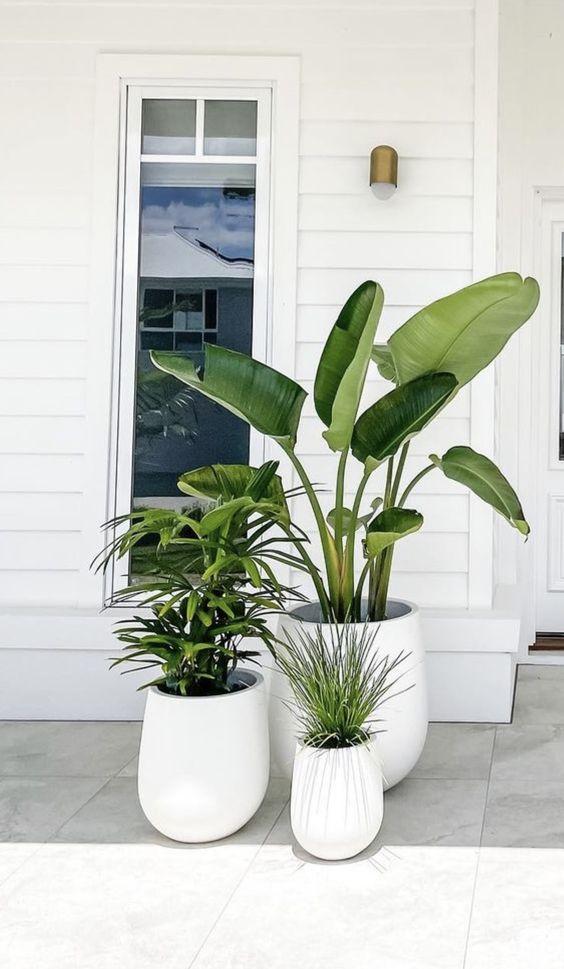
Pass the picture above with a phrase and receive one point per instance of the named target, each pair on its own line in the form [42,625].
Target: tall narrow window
[195,231]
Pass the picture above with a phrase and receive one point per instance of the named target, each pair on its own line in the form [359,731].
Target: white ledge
[444,630]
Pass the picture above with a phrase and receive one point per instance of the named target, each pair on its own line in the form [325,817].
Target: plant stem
[399,472]
[357,603]
[339,496]
[347,580]
[315,576]
[413,482]
[389,476]
[330,556]
[381,597]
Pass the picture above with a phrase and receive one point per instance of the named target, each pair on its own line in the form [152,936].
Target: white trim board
[470,665]
[482,393]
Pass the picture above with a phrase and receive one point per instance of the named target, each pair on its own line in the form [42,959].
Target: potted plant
[427,361]
[206,593]
[339,681]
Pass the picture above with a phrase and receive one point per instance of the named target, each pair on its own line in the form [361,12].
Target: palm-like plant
[428,359]
[208,581]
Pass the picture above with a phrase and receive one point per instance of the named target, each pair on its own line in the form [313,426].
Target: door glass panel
[196,267]
[230,128]
[169,127]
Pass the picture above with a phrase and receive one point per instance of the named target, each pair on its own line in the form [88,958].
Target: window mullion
[199,127]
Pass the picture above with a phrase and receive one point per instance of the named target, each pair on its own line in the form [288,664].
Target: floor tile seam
[50,839]
[59,777]
[127,763]
[448,777]
[238,884]
[23,863]
[479,855]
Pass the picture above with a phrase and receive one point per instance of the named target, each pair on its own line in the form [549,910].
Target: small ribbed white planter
[204,761]
[404,717]
[337,801]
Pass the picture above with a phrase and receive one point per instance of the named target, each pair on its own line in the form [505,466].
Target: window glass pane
[230,128]
[195,287]
[169,127]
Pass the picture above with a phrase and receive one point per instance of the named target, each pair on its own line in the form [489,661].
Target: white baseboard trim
[471,661]
[54,665]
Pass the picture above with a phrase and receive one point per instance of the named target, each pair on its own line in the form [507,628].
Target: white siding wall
[394,72]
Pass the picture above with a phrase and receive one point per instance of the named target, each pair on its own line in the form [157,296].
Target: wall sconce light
[383,171]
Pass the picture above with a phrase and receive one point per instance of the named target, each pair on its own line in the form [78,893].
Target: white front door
[548,425]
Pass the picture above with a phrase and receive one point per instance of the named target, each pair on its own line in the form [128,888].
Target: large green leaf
[398,416]
[389,526]
[481,475]
[341,373]
[462,333]
[265,398]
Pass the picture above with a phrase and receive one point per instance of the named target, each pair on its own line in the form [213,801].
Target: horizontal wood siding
[373,71]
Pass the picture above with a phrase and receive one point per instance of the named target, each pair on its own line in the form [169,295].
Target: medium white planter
[204,761]
[405,717]
[337,799]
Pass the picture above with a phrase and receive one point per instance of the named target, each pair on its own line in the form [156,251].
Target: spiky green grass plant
[338,685]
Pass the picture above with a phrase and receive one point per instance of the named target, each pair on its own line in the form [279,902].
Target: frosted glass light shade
[383,190]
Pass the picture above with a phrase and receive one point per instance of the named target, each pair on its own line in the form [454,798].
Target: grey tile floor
[455,878]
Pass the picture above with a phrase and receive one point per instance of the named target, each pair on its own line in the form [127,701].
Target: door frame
[545,208]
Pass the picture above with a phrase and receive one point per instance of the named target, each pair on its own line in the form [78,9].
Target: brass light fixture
[383,171]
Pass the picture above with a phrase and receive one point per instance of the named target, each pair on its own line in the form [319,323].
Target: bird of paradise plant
[427,360]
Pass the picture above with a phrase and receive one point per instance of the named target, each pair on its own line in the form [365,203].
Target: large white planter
[337,799]
[204,761]
[405,717]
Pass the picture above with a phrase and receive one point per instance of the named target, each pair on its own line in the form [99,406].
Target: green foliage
[388,527]
[382,357]
[344,362]
[481,475]
[338,685]
[463,332]
[398,416]
[258,394]
[209,584]
[429,358]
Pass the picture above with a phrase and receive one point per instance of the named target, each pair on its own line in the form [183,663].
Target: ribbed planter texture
[337,799]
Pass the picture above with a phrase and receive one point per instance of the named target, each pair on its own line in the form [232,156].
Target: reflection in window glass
[169,127]
[230,128]
[195,287]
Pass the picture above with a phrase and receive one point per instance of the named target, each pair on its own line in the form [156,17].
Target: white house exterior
[467,91]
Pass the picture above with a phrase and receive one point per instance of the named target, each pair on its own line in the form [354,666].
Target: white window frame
[120,79]
[127,265]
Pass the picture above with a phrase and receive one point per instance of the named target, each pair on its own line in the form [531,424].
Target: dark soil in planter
[239,681]
[311,611]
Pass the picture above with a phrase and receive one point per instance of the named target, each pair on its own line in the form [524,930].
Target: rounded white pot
[337,801]
[404,716]
[204,761]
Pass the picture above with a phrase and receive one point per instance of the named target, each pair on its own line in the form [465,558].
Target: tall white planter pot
[337,799]
[405,716]
[204,761]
